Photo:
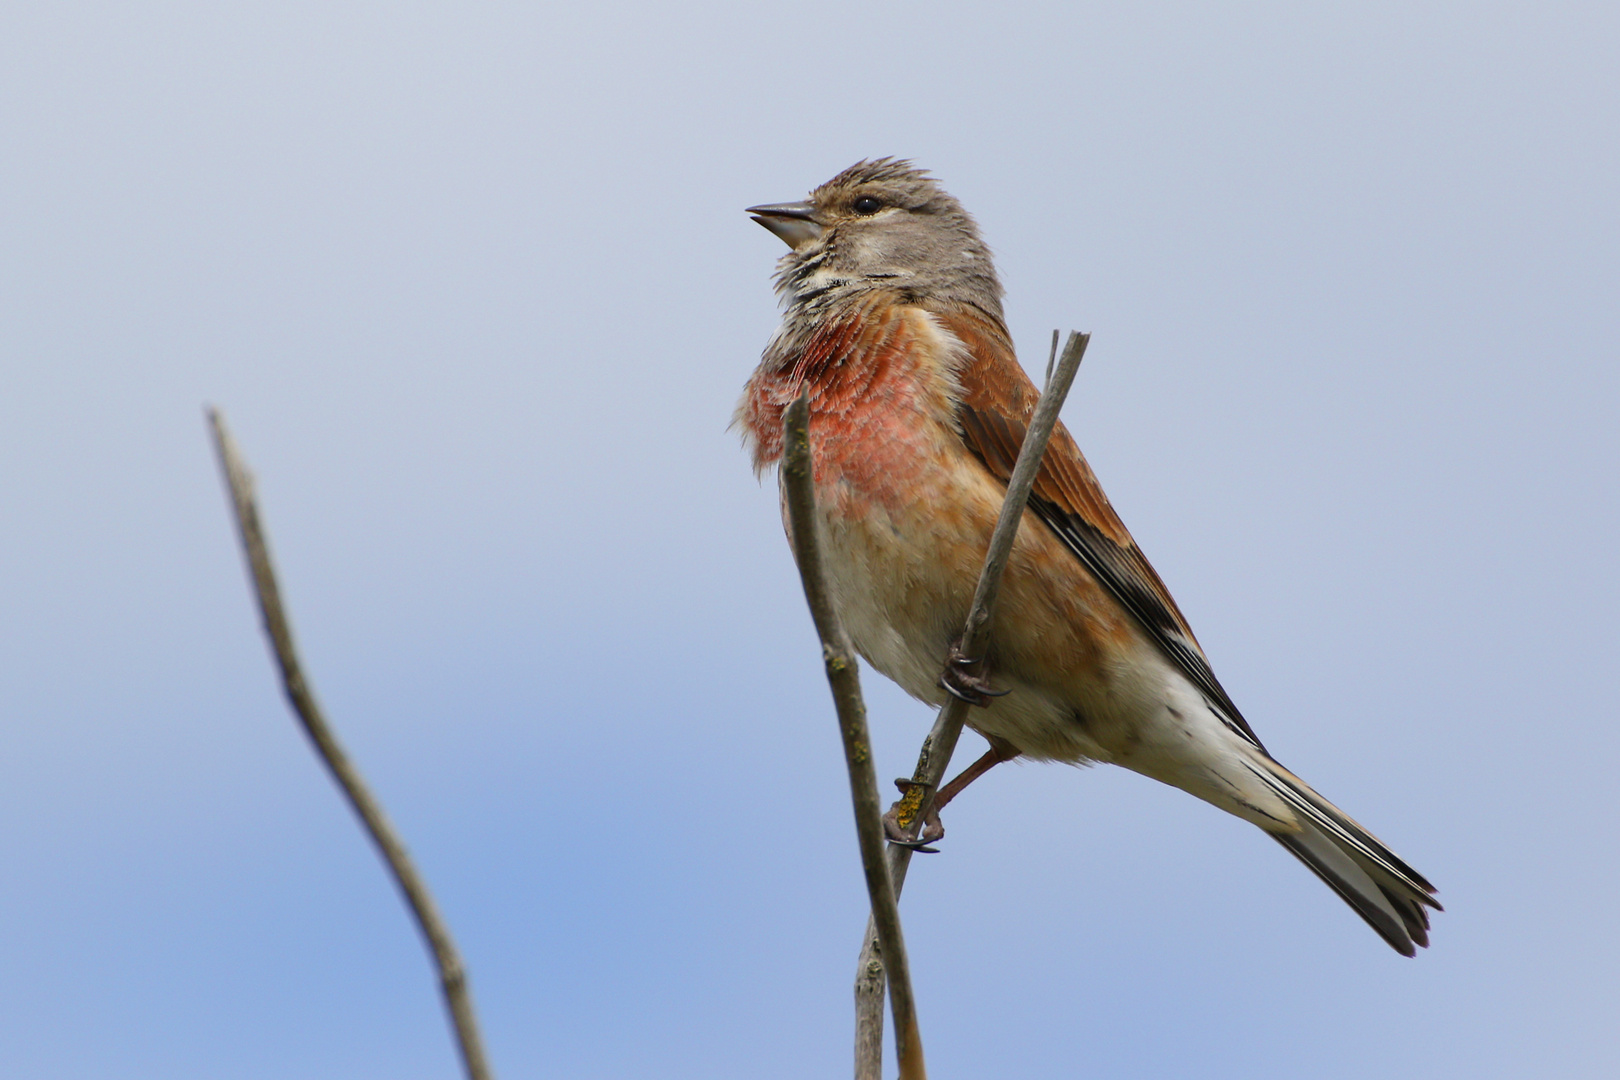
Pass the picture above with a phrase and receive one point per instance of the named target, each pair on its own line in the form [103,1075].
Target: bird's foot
[902,814]
[898,821]
[964,677]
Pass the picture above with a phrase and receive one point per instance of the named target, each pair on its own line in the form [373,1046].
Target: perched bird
[893,324]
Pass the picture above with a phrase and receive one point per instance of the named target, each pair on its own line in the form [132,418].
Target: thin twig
[798,483]
[935,756]
[452,974]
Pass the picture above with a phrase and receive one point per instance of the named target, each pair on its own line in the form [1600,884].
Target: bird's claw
[962,679]
[920,846]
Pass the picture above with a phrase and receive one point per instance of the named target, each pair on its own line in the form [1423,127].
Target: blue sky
[473,286]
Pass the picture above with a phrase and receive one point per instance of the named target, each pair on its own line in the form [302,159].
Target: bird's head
[882,223]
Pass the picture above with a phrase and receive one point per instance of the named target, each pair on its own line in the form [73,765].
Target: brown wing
[998,400]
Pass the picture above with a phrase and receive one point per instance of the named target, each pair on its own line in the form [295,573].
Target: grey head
[881,224]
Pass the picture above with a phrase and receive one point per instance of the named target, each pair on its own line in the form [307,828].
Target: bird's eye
[868,204]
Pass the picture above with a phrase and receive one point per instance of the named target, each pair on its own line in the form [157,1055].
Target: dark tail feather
[1376,883]
[1356,888]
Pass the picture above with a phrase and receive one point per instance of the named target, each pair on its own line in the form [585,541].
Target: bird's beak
[794,223]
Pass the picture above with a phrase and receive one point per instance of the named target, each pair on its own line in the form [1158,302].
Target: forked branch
[798,482]
[935,756]
[452,975]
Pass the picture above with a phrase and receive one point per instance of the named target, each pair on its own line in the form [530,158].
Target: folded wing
[997,402]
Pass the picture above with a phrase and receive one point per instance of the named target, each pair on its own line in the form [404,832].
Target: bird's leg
[904,812]
[1000,750]
[964,677]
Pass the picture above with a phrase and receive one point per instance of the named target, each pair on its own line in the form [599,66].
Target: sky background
[473,285]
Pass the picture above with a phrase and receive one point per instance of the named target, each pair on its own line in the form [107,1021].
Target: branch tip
[452,972]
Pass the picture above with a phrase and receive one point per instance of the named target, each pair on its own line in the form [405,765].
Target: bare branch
[976,634]
[937,748]
[798,483]
[452,974]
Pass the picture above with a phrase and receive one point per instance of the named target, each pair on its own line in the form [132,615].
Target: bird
[893,328]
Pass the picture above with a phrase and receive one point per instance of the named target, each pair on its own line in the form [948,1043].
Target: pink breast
[874,431]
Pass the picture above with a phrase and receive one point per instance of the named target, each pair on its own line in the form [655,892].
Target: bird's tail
[1373,880]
